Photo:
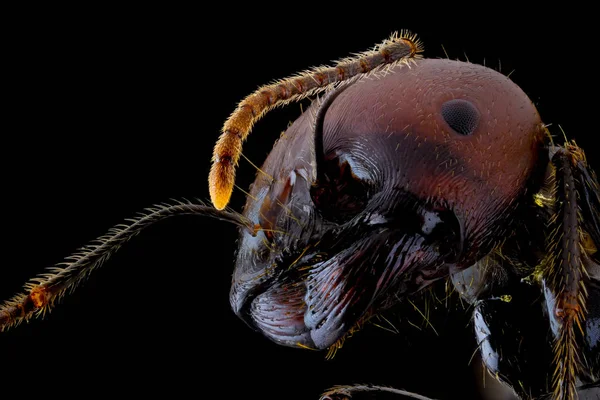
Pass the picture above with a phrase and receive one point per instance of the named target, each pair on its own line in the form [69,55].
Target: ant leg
[591,341]
[358,392]
[569,270]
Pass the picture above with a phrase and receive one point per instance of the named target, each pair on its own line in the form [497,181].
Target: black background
[112,110]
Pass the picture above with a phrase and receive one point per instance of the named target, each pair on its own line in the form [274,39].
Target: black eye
[461,116]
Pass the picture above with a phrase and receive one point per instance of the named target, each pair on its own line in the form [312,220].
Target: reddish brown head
[378,191]
[452,133]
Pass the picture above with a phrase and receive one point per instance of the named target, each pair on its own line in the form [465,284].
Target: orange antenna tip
[220,183]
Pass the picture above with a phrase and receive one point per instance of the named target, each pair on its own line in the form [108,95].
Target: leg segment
[358,392]
[573,240]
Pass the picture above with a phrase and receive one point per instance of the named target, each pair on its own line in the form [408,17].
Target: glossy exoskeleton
[406,172]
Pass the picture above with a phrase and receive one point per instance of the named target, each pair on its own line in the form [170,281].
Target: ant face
[415,173]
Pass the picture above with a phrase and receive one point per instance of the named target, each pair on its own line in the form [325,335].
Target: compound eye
[461,116]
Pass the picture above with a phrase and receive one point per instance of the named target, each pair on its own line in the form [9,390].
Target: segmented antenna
[399,48]
[43,291]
